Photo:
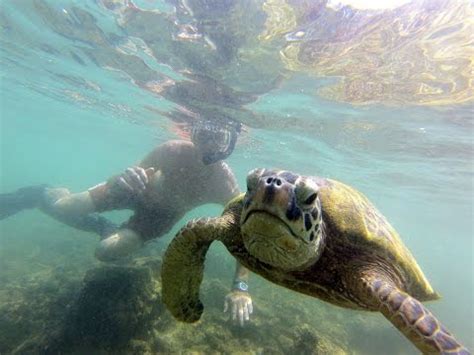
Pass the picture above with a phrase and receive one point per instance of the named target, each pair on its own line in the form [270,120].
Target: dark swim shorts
[149,219]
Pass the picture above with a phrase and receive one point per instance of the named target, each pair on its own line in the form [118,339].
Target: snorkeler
[174,178]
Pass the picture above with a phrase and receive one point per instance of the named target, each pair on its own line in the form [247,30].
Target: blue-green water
[74,123]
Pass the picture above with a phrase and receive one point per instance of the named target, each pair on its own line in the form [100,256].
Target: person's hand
[240,306]
[134,179]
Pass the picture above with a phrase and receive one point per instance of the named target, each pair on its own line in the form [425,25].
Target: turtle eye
[306,193]
[310,199]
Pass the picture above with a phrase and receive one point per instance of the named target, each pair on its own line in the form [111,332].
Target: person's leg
[59,203]
[75,211]
[118,245]
[25,198]
[147,223]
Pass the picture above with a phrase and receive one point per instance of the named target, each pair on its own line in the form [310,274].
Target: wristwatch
[240,285]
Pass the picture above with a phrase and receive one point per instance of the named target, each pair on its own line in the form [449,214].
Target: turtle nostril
[273,181]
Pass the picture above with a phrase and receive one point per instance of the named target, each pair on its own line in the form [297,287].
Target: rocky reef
[115,306]
[117,309]
[75,305]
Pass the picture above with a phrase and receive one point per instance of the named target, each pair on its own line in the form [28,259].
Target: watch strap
[240,285]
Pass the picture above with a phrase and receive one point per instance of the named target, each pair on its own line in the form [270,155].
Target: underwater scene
[322,148]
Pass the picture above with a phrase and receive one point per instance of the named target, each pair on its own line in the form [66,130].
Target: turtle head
[281,219]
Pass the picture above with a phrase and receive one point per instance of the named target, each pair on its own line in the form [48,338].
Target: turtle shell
[354,226]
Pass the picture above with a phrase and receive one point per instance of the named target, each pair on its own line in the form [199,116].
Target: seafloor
[56,298]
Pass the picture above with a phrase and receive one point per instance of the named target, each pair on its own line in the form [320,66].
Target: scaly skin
[182,270]
[183,265]
[357,261]
[411,318]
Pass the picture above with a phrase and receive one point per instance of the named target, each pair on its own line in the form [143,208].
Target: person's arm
[238,300]
[241,274]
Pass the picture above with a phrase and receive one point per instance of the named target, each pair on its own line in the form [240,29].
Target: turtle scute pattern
[360,249]
[359,224]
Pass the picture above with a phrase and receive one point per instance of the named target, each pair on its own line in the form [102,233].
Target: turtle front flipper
[415,321]
[183,267]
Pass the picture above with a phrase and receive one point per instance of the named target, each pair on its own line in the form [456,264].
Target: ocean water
[378,99]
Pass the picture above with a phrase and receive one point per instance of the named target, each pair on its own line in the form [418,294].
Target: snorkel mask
[215,140]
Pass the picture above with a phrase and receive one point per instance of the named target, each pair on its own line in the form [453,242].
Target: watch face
[242,286]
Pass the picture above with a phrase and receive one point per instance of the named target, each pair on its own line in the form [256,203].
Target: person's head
[214,140]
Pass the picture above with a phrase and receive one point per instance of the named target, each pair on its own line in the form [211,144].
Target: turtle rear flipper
[183,267]
[416,322]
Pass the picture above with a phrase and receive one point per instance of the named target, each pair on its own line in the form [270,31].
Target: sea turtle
[316,236]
